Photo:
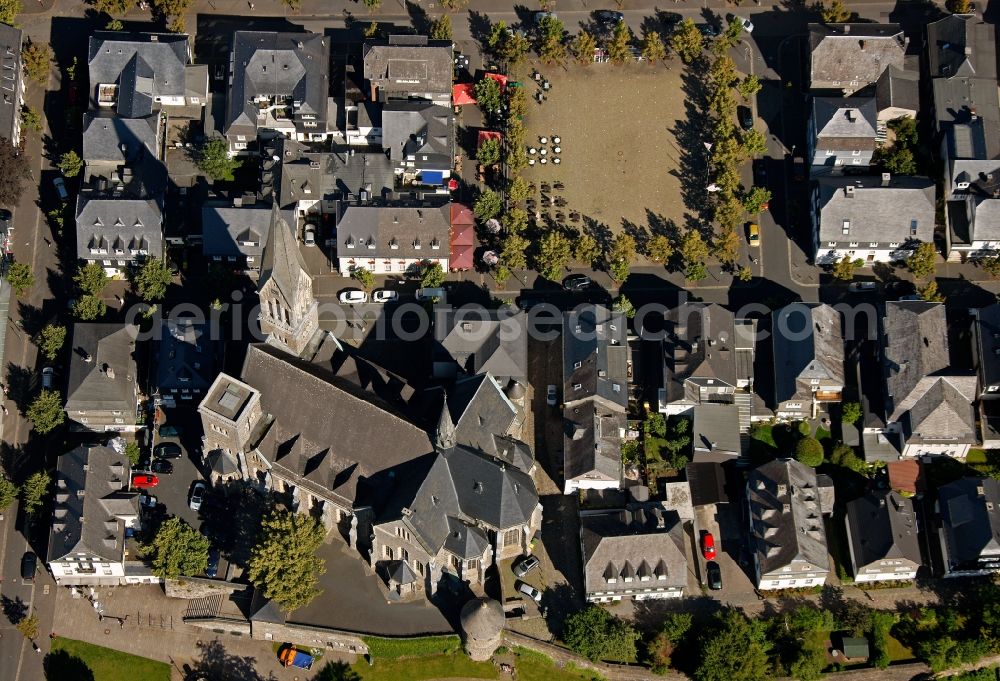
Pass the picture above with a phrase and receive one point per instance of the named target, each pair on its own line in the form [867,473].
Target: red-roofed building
[463,93]
[906,475]
[463,237]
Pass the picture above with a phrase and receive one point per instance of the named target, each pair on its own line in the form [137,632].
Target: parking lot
[723,521]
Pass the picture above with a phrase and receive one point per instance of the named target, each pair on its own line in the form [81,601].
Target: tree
[37,60]
[805,430]
[152,279]
[46,412]
[513,48]
[488,205]
[598,635]
[364,276]
[177,549]
[515,220]
[922,262]
[659,249]
[835,13]
[372,5]
[441,28]
[20,277]
[371,30]
[729,212]
[727,247]
[433,276]
[653,49]
[28,626]
[113,8]
[212,158]
[753,143]
[33,492]
[897,159]
[735,649]
[959,6]
[31,119]
[284,563]
[9,9]
[624,305]
[489,150]
[749,86]
[551,48]
[518,189]
[991,265]
[133,453]
[756,199]
[930,293]
[70,163]
[843,455]
[744,273]
[809,451]
[586,249]
[687,41]
[583,47]
[338,671]
[905,130]
[13,171]
[844,269]
[553,251]
[51,339]
[850,412]
[488,95]
[619,47]
[454,5]
[621,256]
[513,251]
[91,278]
[693,249]
[672,631]
[88,308]
[8,492]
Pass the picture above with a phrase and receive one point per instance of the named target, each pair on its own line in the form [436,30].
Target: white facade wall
[348,264]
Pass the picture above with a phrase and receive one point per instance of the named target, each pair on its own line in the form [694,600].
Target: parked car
[197,496]
[608,16]
[524,565]
[745,23]
[144,481]
[753,232]
[29,563]
[799,169]
[48,374]
[550,395]
[577,282]
[862,286]
[290,656]
[385,296]
[541,16]
[529,591]
[714,575]
[708,545]
[309,236]
[6,219]
[212,569]
[352,296]
[430,294]
[167,450]
[162,466]
[147,501]
[708,30]
[745,117]
[760,172]
[60,185]
[170,431]
[669,20]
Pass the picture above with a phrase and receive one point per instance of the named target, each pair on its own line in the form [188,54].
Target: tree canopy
[212,158]
[46,412]
[687,41]
[433,276]
[621,256]
[488,205]
[33,492]
[51,339]
[88,308]
[364,276]
[598,635]
[177,549]
[70,163]
[20,277]
[8,491]
[554,250]
[809,451]
[441,28]
[91,278]
[151,280]
[735,649]
[284,563]
[923,261]
[36,57]
[488,95]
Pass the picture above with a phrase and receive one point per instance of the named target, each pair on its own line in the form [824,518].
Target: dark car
[212,569]
[5,218]
[524,565]
[745,116]
[669,20]
[608,16]
[714,576]
[709,30]
[760,172]
[162,466]
[168,450]
[29,563]
[577,282]
[170,431]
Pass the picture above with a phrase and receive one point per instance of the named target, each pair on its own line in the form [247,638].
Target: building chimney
[846,28]
[885,179]
[108,371]
[849,191]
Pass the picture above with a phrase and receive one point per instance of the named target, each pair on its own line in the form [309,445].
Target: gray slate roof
[715,432]
[145,66]
[786,518]
[409,64]
[122,223]
[332,175]
[90,504]
[961,45]
[988,347]
[705,342]
[969,101]
[625,543]
[419,129]
[90,386]
[808,343]
[970,520]
[898,88]
[187,356]
[10,81]
[480,410]
[595,357]
[853,52]
[226,229]
[845,122]
[592,443]
[104,137]
[876,213]
[392,232]
[883,525]
[482,341]
[282,260]
[915,335]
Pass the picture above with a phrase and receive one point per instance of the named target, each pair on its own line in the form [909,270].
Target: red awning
[463,93]
[461,215]
[463,235]
[461,258]
[488,135]
[500,78]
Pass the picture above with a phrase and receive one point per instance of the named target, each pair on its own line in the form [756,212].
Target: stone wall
[220,625]
[196,587]
[314,636]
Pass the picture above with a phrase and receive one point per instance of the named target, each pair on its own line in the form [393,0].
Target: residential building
[808,342]
[409,67]
[882,537]
[972,189]
[118,232]
[635,552]
[134,74]
[787,536]
[595,397]
[419,138]
[279,85]
[969,513]
[93,508]
[102,392]
[235,235]
[11,84]
[470,342]
[289,313]
[708,356]
[928,404]
[313,183]
[872,219]
[986,353]
[124,155]
[187,361]
[715,433]
[897,95]
[393,239]
[841,133]
[845,58]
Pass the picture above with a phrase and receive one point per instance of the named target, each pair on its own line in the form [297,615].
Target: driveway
[723,521]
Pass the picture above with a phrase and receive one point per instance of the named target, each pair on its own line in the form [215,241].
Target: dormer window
[435,244]
[416,244]
[98,223]
[371,242]
[394,243]
[350,242]
[138,223]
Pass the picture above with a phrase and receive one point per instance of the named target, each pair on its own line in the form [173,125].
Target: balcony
[107,94]
[827,395]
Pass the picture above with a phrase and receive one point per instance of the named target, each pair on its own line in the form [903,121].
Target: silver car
[197,496]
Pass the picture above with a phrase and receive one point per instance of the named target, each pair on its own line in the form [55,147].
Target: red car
[144,481]
[708,546]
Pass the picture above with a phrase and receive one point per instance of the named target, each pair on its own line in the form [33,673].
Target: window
[893,244]
[847,227]
[873,244]
[419,567]
[856,152]
[831,244]
[830,152]
[913,227]
[857,161]
[854,244]
[511,537]
[241,138]
[387,551]
[240,145]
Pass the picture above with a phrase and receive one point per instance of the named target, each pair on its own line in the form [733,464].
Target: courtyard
[619,157]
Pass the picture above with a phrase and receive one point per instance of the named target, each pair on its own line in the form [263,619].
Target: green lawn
[451,665]
[391,648]
[898,652]
[79,661]
[533,666]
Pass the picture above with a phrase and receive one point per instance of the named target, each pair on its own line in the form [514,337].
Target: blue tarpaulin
[432,177]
